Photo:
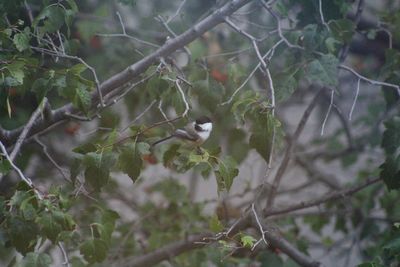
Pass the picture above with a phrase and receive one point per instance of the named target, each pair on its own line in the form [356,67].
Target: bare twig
[65,255]
[164,115]
[323,199]
[125,35]
[262,231]
[139,116]
[268,56]
[46,152]
[176,12]
[169,251]
[328,112]
[289,150]
[373,82]
[20,173]
[139,67]
[27,128]
[178,86]
[355,99]
[321,14]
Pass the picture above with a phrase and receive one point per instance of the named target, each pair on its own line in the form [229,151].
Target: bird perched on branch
[196,132]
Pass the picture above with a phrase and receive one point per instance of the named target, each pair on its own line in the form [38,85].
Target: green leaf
[392,248]
[324,70]
[21,41]
[247,241]
[36,259]
[198,49]
[342,29]
[5,166]
[215,224]
[97,171]
[198,158]
[49,226]
[391,136]
[94,250]
[130,160]
[23,234]
[52,18]
[156,86]
[390,172]
[227,171]
[244,105]
[170,155]
[261,134]
[390,169]
[16,70]
[108,224]
[41,87]
[82,98]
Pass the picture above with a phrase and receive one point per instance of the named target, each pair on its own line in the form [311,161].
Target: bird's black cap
[202,120]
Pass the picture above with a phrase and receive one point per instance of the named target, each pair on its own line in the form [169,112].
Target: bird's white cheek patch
[207,126]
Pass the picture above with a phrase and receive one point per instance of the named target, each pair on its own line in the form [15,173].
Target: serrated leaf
[21,41]
[342,29]
[156,86]
[82,98]
[16,70]
[170,155]
[36,259]
[49,226]
[97,169]
[227,171]
[53,18]
[94,250]
[198,158]
[130,160]
[324,70]
[23,234]
[243,105]
[247,241]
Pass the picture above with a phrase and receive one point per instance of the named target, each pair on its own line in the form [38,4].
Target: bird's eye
[198,128]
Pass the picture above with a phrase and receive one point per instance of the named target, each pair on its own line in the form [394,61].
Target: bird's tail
[162,140]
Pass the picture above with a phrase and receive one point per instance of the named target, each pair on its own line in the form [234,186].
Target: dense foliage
[89,124]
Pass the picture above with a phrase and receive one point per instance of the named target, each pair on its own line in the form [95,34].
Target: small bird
[196,132]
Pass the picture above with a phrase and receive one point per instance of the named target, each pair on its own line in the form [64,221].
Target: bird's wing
[186,134]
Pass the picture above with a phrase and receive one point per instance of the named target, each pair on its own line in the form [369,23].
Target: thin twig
[124,34]
[328,112]
[164,115]
[176,12]
[27,128]
[289,150]
[322,15]
[323,199]
[65,255]
[355,99]
[177,82]
[259,224]
[373,82]
[45,151]
[139,116]
[20,173]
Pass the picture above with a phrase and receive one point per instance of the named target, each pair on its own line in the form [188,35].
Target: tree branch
[134,70]
[289,150]
[170,250]
[323,199]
